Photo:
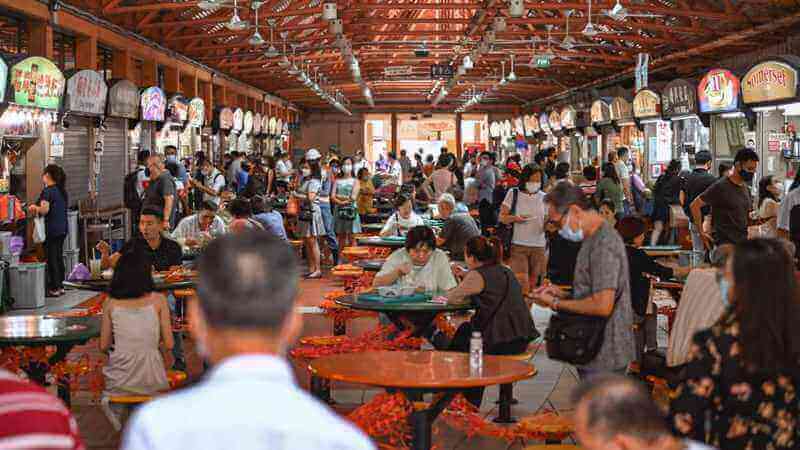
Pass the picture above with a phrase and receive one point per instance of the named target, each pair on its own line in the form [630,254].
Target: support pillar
[172,79]
[122,65]
[149,73]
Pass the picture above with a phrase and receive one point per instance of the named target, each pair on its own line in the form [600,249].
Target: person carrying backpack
[133,189]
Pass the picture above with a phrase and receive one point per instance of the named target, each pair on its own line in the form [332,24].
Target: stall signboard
[435,126]
[265,124]
[528,121]
[153,104]
[600,112]
[568,117]
[646,104]
[621,110]
[248,122]
[554,119]
[544,122]
[257,124]
[3,79]
[37,82]
[178,108]
[679,98]
[197,112]
[123,100]
[718,92]
[238,119]
[225,119]
[768,82]
[534,124]
[273,122]
[86,93]
[279,127]
[519,127]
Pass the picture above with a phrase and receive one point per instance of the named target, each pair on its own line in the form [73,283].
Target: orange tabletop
[429,370]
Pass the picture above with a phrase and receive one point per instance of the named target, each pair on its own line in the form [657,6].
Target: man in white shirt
[621,166]
[395,173]
[213,185]
[359,162]
[791,200]
[205,224]
[243,320]
[283,168]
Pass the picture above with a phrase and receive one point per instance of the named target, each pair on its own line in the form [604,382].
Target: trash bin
[27,285]
[5,245]
[71,258]
[71,243]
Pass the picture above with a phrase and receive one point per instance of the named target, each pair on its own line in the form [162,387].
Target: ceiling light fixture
[516,8]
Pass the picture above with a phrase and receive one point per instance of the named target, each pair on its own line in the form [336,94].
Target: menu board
[768,82]
[178,109]
[257,124]
[238,119]
[248,122]
[679,98]
[568,116]
[544,122]
[153,104]
[3,79]
[197,112]
[600,112]
[718,91]
[123,100]
[86,93]
[37,82]
[225,119]
[646,104]
[621,109]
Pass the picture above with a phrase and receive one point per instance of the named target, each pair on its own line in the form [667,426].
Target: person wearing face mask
[310,226]
[171,154]
[487,180]
[770,189]
[403,219]
[730,202]
[601,284]
[524,210]
[212,185]
[345,215]
[329,173]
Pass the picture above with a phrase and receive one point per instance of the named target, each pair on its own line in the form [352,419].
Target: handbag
[346,213]
[39,230]
[505,232]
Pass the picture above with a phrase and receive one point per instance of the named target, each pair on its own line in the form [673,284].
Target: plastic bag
[39,234]
[79,273]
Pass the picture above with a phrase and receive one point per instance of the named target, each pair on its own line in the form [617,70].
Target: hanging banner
[123,100]
[718,92]
[178,110]
[544,122]
[600,112]
[554,119]
[519,127]
[238,120]
[86,93]
[197,112]
[568,116]
[646,104]
[679,98]
[621,110]
[257,124]
[153,104]
[225,119]
[248,122]
[3,79]
[768,82]
[37,82]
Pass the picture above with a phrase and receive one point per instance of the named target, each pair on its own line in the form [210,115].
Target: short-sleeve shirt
[168,253]
[603,264]
[398,226]
[216,182]
[792,199]
[622,170]
[436,275]
[531,232]
[154,195]
[56,218]
[730,208]
[457,230]
[486,183]
[696,183]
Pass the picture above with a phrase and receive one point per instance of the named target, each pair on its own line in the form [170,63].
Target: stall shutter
[76,158]
[112,164]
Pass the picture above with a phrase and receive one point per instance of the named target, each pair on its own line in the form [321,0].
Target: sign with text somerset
[768,82]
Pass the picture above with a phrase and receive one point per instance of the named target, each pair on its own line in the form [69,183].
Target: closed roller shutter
[76,158]
[112,164]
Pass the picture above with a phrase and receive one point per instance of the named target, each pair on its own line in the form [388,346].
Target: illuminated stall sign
[600,112]
[197,112]
[718,92]
[621,110]
[257,124]
[123,100]
[265,124]
[153,104]
[238,120]
[533,123]
[178,109]
[273,122]
[519,127]
[646,104]
[554,119]
[248,122]
[769,82]
[225,119]
[568,116]
[679,98]
[544,122]
[86,93]
[279,127]
[3,79]
[37,82]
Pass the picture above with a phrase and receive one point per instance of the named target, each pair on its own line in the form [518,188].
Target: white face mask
[347,168]
[533,187]
[306,172]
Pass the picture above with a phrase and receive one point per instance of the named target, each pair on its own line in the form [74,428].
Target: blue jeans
[330,233]
[697,244]
[177,349]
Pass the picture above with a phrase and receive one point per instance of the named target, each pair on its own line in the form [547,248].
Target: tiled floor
[550,388]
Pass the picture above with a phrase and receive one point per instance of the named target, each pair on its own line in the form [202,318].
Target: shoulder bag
[505,232]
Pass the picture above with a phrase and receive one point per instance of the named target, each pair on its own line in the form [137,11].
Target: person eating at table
[458,227]
[418,264]
[502,316]
[403,219]
[201,226]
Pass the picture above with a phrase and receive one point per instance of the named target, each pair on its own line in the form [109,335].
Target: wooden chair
[506,398]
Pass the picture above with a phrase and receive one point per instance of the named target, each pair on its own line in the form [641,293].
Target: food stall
[221,126]
[689,135]
[629,134]
[657,133]
[719,100]
[770,89]
[600,115]
[236,135]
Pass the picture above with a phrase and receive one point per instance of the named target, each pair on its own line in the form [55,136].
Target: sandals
[314,275]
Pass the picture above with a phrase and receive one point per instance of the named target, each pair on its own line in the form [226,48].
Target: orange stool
[355,253]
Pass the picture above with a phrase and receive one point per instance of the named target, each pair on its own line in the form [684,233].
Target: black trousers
[460,343]
[487,214]
[54,251]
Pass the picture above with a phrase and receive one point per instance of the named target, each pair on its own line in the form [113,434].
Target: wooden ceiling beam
[207,21]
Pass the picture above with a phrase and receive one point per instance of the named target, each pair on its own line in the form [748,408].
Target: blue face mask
[172,157]
[724,290]
[567,233]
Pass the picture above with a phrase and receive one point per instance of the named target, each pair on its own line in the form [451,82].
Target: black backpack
[130,194]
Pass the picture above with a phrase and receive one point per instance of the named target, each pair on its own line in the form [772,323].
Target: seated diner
[419,264]
[403,219]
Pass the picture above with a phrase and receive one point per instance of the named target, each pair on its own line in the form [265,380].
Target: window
[64,51]
[13,35]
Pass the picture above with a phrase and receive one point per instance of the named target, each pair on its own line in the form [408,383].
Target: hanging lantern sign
[178,109]
[37,82]
[532,124]
[554,119]
[248,122]
[621,110]
[272,126]
[494,129]
[197,112]
[519,126]
[679,98]
[225,119]
[238,120]
[153,104]
[769,82]
[86,93]
[718,92]
[646,104]
[568,116]
[544,122]
[279,127]
[257,124]
[123,100]
[600,112]
[265,124]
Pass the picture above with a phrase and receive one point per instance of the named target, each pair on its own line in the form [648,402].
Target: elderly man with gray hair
[458,228]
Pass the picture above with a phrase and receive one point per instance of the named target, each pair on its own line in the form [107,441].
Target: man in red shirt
[33,418]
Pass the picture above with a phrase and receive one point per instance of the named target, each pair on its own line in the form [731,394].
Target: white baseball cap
[312,154]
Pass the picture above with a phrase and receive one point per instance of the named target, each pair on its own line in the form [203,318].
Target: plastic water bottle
[476,352]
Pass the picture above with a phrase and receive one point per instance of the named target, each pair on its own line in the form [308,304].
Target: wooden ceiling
[384,33]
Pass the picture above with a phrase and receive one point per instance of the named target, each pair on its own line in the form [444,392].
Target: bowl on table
[396,291]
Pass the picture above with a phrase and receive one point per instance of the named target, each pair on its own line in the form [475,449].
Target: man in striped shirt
[30,417]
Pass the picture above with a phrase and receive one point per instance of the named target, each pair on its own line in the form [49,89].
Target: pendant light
[511,75]
[256,39]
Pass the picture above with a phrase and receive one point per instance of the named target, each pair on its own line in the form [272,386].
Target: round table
[370,265]
[376,241]
[375,217]
[376,227]
[416,316]
[105,285]
[662,251]
[37,330]
[420,372]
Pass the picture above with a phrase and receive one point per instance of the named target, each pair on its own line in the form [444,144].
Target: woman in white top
[403,218]
[527,217]
[419,264]
[769,198]
[442,178]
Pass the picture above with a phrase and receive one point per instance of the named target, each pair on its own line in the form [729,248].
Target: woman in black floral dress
[742,375]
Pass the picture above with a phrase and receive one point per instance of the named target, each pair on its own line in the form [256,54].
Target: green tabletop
[44,330]
[105,285]
[370,265]
[372,226]
[414,307]
[375,241]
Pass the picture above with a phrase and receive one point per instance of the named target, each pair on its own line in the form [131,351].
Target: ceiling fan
[235,23]
[569,42]
[256,39]
[271,52]
[620,13]
[589,30]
